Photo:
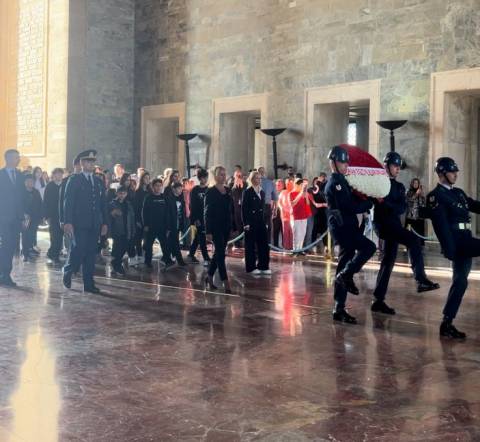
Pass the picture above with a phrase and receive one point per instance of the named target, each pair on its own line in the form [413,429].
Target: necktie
[90,179]
[12,176]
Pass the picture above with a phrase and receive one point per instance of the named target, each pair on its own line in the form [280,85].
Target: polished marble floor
[155,358]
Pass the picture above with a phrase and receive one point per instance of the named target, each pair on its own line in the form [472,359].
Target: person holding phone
[415,203]
[301,211]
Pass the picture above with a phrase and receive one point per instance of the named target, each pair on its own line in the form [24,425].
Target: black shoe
[448,330]
[426,286]
[119,269]
[181,263]
[67,280]
[169,264]
[209,285]
[7,282]
[381,307]
[343,316]
[347,283]
[94,290]
[193,259]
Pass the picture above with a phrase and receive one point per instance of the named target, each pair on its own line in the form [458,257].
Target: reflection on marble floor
[155,358]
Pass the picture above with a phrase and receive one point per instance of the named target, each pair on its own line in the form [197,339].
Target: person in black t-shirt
[154,220]
[197,205]
[175,222]
[51,212]
[121,221]
[32,202]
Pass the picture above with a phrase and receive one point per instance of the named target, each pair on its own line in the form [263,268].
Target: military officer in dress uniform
[389,228]
[77,168]
[355,248]
[449,209]
[84,216]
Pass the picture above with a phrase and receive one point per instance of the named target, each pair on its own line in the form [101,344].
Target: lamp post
[392,125]
[274,133]
[187,138]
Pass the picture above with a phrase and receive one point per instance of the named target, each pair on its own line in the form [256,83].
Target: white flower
[369,181]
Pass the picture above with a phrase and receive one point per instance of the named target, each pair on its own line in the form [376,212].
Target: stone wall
[235,47]
[101,80]
[31,80]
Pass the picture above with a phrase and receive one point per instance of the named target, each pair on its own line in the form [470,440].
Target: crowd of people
[294,210]
[88,210]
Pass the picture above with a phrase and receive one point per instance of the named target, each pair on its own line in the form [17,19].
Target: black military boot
[448,330]
[426,286]
[347,283]
[67,279]
[382,307]
[343,316]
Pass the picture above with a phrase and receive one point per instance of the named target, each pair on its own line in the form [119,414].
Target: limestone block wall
[101,80]
[199,50]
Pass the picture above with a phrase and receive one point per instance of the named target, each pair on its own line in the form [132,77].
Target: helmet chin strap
[446,177]
[388,171]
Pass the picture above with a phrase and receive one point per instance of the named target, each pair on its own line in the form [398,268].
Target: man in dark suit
[85,218]
[11,213]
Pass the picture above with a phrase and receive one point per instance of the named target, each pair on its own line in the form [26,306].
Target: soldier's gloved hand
[68,229]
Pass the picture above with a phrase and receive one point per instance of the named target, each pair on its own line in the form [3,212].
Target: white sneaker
[266,272]
[255,272]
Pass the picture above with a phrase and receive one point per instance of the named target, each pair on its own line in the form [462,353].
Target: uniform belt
[462,226]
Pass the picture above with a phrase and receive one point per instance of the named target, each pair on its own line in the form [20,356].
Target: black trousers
[119,248]
[277,229]
[28,238]
[355,251]
[173,246]
[8,244]
[257,251]
[418,225]
[56,240]
[391,240]
[220,240]
[267,216]
[320,226]
[468,247]
[82,253]
[138,240]
[200,240]
[150,237]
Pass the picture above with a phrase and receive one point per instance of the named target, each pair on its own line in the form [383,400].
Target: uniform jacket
[341,198]
[392,207]
[123,225]
[84,206]
[447,208]
[11,197]
[252,208]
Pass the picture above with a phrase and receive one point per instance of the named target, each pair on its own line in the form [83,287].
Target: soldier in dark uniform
[355,248]
[449,209]
[85,220]
[389,228]
[77,168]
